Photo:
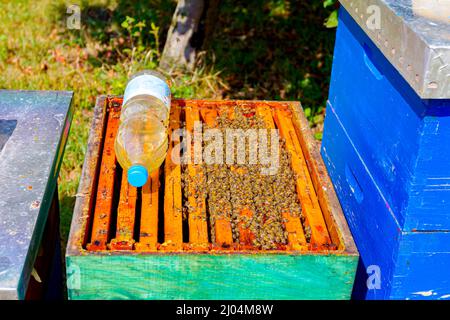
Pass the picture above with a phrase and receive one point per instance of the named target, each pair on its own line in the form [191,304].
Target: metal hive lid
[413,36]
[33,131]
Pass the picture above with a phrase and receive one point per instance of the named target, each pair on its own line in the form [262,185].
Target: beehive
[134,243]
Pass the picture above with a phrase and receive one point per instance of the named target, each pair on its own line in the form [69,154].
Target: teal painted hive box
[128,243]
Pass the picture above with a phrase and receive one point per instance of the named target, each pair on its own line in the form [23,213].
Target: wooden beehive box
[128,243]
[386,146]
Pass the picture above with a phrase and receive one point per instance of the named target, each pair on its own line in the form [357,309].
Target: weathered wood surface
[222,224]
[293,225]
[148,237]
[105,189]
[126,216]
[305,189]
[86,190]
[198,228]
[173,217]
[329,203]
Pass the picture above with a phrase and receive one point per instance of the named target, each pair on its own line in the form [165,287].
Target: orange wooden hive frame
[117,226]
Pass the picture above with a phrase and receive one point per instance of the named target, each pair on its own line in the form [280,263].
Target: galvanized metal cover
[414,35]
[34,126]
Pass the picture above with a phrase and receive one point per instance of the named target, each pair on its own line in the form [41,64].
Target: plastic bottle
[141,142]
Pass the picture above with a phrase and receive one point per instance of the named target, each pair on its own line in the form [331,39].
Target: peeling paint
[425,293]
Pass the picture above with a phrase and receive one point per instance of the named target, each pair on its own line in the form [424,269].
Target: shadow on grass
[266,49]
[102,24]
[274,49]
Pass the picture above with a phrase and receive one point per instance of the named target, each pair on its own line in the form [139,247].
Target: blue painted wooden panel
[393,129]
[429,203]
[423,266]
[370,108]
[413,265]
[368,214]
[388,152]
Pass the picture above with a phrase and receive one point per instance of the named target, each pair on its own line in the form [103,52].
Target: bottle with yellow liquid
[141,142]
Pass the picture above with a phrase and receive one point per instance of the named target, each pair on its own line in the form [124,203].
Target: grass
[275,49]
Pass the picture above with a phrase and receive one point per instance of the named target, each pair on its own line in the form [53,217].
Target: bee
[228,189]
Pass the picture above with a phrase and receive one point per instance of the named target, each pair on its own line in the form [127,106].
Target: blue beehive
[386,144]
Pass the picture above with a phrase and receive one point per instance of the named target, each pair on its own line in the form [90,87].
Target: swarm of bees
[232,191]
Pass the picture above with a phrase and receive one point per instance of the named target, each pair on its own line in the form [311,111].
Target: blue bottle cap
[137,175]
